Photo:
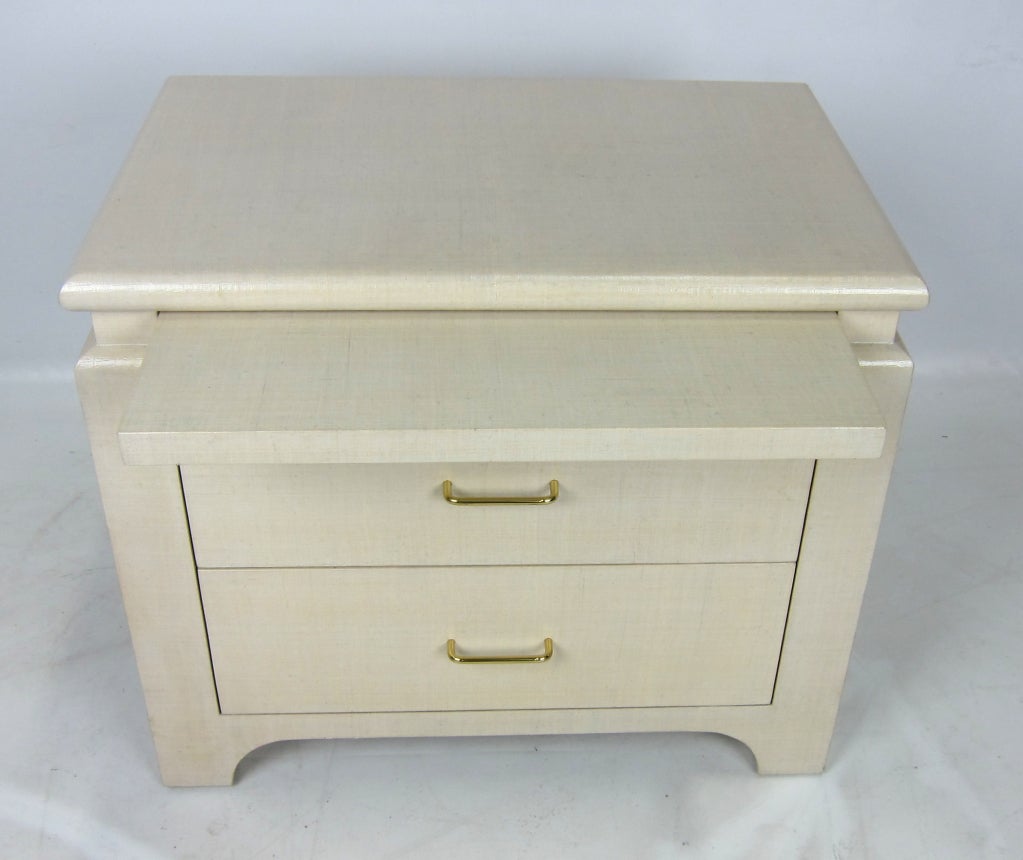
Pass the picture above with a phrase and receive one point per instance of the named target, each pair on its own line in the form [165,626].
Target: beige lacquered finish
[606,513]
[315,194]
[721,476]
[465,387]
[198,745]
[376,640]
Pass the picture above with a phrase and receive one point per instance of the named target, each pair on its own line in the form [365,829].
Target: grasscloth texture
[458,387]
[663,512]
[271,479]
[320,193]
[308,641]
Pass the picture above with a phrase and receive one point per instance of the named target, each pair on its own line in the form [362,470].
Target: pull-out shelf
[475,387]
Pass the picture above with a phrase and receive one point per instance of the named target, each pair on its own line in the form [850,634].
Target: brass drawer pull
[548,651]
[552,496]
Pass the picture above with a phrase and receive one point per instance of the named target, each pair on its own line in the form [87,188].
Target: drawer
[352,515]
[326,640]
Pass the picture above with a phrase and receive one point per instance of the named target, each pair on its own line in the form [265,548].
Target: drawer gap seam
[795,576]
[198,588]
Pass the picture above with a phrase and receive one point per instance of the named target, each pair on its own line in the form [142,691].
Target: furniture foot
[191,762]
[781,756]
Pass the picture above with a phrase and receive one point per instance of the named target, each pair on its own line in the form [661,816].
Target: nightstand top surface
[330,193]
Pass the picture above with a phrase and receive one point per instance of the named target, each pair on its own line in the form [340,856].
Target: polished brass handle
[552,496]
[548,651]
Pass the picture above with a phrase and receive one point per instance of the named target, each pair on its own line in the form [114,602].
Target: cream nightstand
[428,407]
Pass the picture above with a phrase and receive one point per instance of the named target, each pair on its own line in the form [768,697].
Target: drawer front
[396,514]
[311,641]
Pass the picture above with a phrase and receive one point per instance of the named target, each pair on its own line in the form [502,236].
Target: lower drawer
[329,640]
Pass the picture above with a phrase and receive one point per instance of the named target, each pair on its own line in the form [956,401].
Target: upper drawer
[395,514]
[498,387]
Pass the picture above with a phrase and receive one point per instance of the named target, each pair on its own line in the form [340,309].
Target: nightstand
[455,407]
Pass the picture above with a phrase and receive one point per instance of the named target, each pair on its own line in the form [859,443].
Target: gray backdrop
[926,761]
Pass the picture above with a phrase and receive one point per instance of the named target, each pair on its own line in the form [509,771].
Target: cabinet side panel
[153,554]
[844,512]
